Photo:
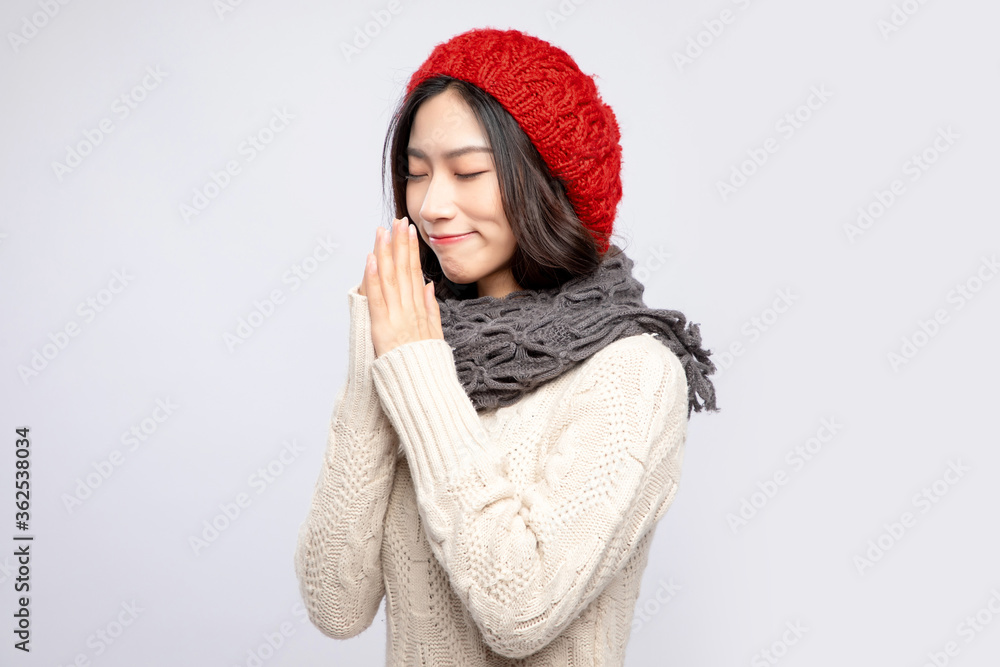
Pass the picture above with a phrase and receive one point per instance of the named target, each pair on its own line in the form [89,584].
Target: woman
[511,431]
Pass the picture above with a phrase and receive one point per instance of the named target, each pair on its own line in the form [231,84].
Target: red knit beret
[556,105]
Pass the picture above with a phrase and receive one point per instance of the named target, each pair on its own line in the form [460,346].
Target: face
[452,191]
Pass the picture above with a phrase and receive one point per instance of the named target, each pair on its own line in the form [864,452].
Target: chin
[460,279]
[457,274]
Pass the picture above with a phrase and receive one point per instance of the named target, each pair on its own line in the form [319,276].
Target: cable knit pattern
[515,536]
[337,556]
[557,106]
[506,347]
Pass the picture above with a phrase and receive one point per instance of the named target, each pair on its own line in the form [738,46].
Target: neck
[497,288]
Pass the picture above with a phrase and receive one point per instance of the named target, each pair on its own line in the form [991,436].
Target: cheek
[485,197]
[414,200]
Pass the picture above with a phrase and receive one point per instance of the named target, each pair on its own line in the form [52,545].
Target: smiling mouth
[450,239]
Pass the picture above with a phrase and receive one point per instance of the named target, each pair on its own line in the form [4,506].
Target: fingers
[417,281]
[401,262]
[376,303]
[388,280]
[363,290]
[433,312]
[402,308]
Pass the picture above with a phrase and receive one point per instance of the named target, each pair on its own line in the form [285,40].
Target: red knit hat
[556,105]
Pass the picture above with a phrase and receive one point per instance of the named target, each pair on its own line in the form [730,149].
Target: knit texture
[505,347]
[557,106]
[517,536]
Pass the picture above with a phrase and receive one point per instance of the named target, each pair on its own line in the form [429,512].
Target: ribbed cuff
[360,399]
[422,396]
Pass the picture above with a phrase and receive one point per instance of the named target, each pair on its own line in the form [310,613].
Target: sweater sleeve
[338,553]
[526,559]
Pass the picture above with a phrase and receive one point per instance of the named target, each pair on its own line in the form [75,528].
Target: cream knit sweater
[516,536]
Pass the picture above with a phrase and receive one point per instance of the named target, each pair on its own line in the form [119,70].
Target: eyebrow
[457,152]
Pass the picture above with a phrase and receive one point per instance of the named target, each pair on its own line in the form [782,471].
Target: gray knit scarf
[505,348]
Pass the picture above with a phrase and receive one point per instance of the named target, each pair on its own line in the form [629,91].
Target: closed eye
[462,176]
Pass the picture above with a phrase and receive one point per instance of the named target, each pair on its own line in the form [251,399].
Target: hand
[361,290]
[403,309]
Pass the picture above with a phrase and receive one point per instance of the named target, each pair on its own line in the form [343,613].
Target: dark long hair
[552,245]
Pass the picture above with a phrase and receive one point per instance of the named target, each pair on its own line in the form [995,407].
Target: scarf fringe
[507,347]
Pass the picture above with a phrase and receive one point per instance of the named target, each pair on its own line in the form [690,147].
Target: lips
[448,236]
[453,238]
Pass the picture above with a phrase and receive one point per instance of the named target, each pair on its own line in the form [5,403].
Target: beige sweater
[521,532]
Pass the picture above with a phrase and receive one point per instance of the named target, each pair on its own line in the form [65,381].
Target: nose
[439,201]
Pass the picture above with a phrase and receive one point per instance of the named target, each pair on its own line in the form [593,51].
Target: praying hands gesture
[402,308]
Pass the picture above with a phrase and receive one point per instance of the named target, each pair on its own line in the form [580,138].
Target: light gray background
[711,596]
